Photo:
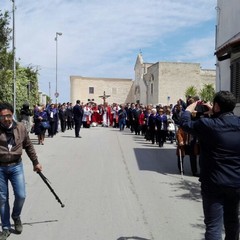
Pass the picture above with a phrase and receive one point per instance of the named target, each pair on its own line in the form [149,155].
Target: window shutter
[235,78]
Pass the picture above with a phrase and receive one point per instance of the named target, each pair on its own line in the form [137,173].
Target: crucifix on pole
[104,97]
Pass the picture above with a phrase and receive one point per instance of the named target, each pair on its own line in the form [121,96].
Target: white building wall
[228,26]
[228,13]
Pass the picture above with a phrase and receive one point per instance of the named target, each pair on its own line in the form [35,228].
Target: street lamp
[14,60]
[56,39]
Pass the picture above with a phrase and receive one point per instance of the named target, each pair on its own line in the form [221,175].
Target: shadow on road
[68,136]
[192,190]
[164,161]
[133,238]
[30,224]
[200,226]
[159,160]
[40,222]
[33,223]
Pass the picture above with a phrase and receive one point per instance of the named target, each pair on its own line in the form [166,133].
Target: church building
[154,83]
[166,82]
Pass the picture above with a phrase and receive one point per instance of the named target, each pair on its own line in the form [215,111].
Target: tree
[4,31]
[191,91]
[5,59]
[26,78]
[26,86]
[207,93]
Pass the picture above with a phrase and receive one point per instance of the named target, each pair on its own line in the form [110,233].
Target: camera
[201,109]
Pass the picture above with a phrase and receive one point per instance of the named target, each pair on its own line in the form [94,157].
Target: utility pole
[56,39]
[14,60]
[50,91]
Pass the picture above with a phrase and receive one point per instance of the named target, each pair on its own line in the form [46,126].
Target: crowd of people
[157,124]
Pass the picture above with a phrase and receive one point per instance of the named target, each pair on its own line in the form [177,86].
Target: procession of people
[133,116]
[157,124]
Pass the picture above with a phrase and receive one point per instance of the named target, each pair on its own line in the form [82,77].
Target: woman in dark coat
[161,122]
[39,117]
[152,126]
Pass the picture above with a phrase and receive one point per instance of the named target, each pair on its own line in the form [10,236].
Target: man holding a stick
[13,139]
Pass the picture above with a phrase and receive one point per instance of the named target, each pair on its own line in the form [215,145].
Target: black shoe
[5,234]
[18,225]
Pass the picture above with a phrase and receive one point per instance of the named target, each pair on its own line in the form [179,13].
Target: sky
[103,38]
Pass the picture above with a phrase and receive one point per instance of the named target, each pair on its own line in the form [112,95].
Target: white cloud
[200,51]
[102,38]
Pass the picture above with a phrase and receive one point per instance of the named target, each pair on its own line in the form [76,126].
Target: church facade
[114,90]
[154,83]
[166,82]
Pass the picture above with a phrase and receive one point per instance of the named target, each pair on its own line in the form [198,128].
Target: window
[152,77]
[235,74]
[151,88]
[235,79]
[91,90]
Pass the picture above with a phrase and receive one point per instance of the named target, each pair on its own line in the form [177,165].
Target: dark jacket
[219,139]
[122,114]
[62,114]
[77,113]
[52,114]
[38,129]
[161,122]
[152,122]
[69,112]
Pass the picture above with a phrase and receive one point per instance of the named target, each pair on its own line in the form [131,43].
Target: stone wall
[171,79]
[120,90]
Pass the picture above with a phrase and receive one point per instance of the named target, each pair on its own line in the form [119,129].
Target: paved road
[115,186]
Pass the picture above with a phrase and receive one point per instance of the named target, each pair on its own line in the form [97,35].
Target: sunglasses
[8,116]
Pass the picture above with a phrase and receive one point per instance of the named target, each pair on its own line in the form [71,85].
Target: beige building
[117,90]
[154,83]
[166,82]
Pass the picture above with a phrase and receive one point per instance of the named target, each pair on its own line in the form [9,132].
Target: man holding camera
[219,137]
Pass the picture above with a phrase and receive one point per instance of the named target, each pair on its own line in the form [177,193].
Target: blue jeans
[15,175]
[122,123]
[221,207]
